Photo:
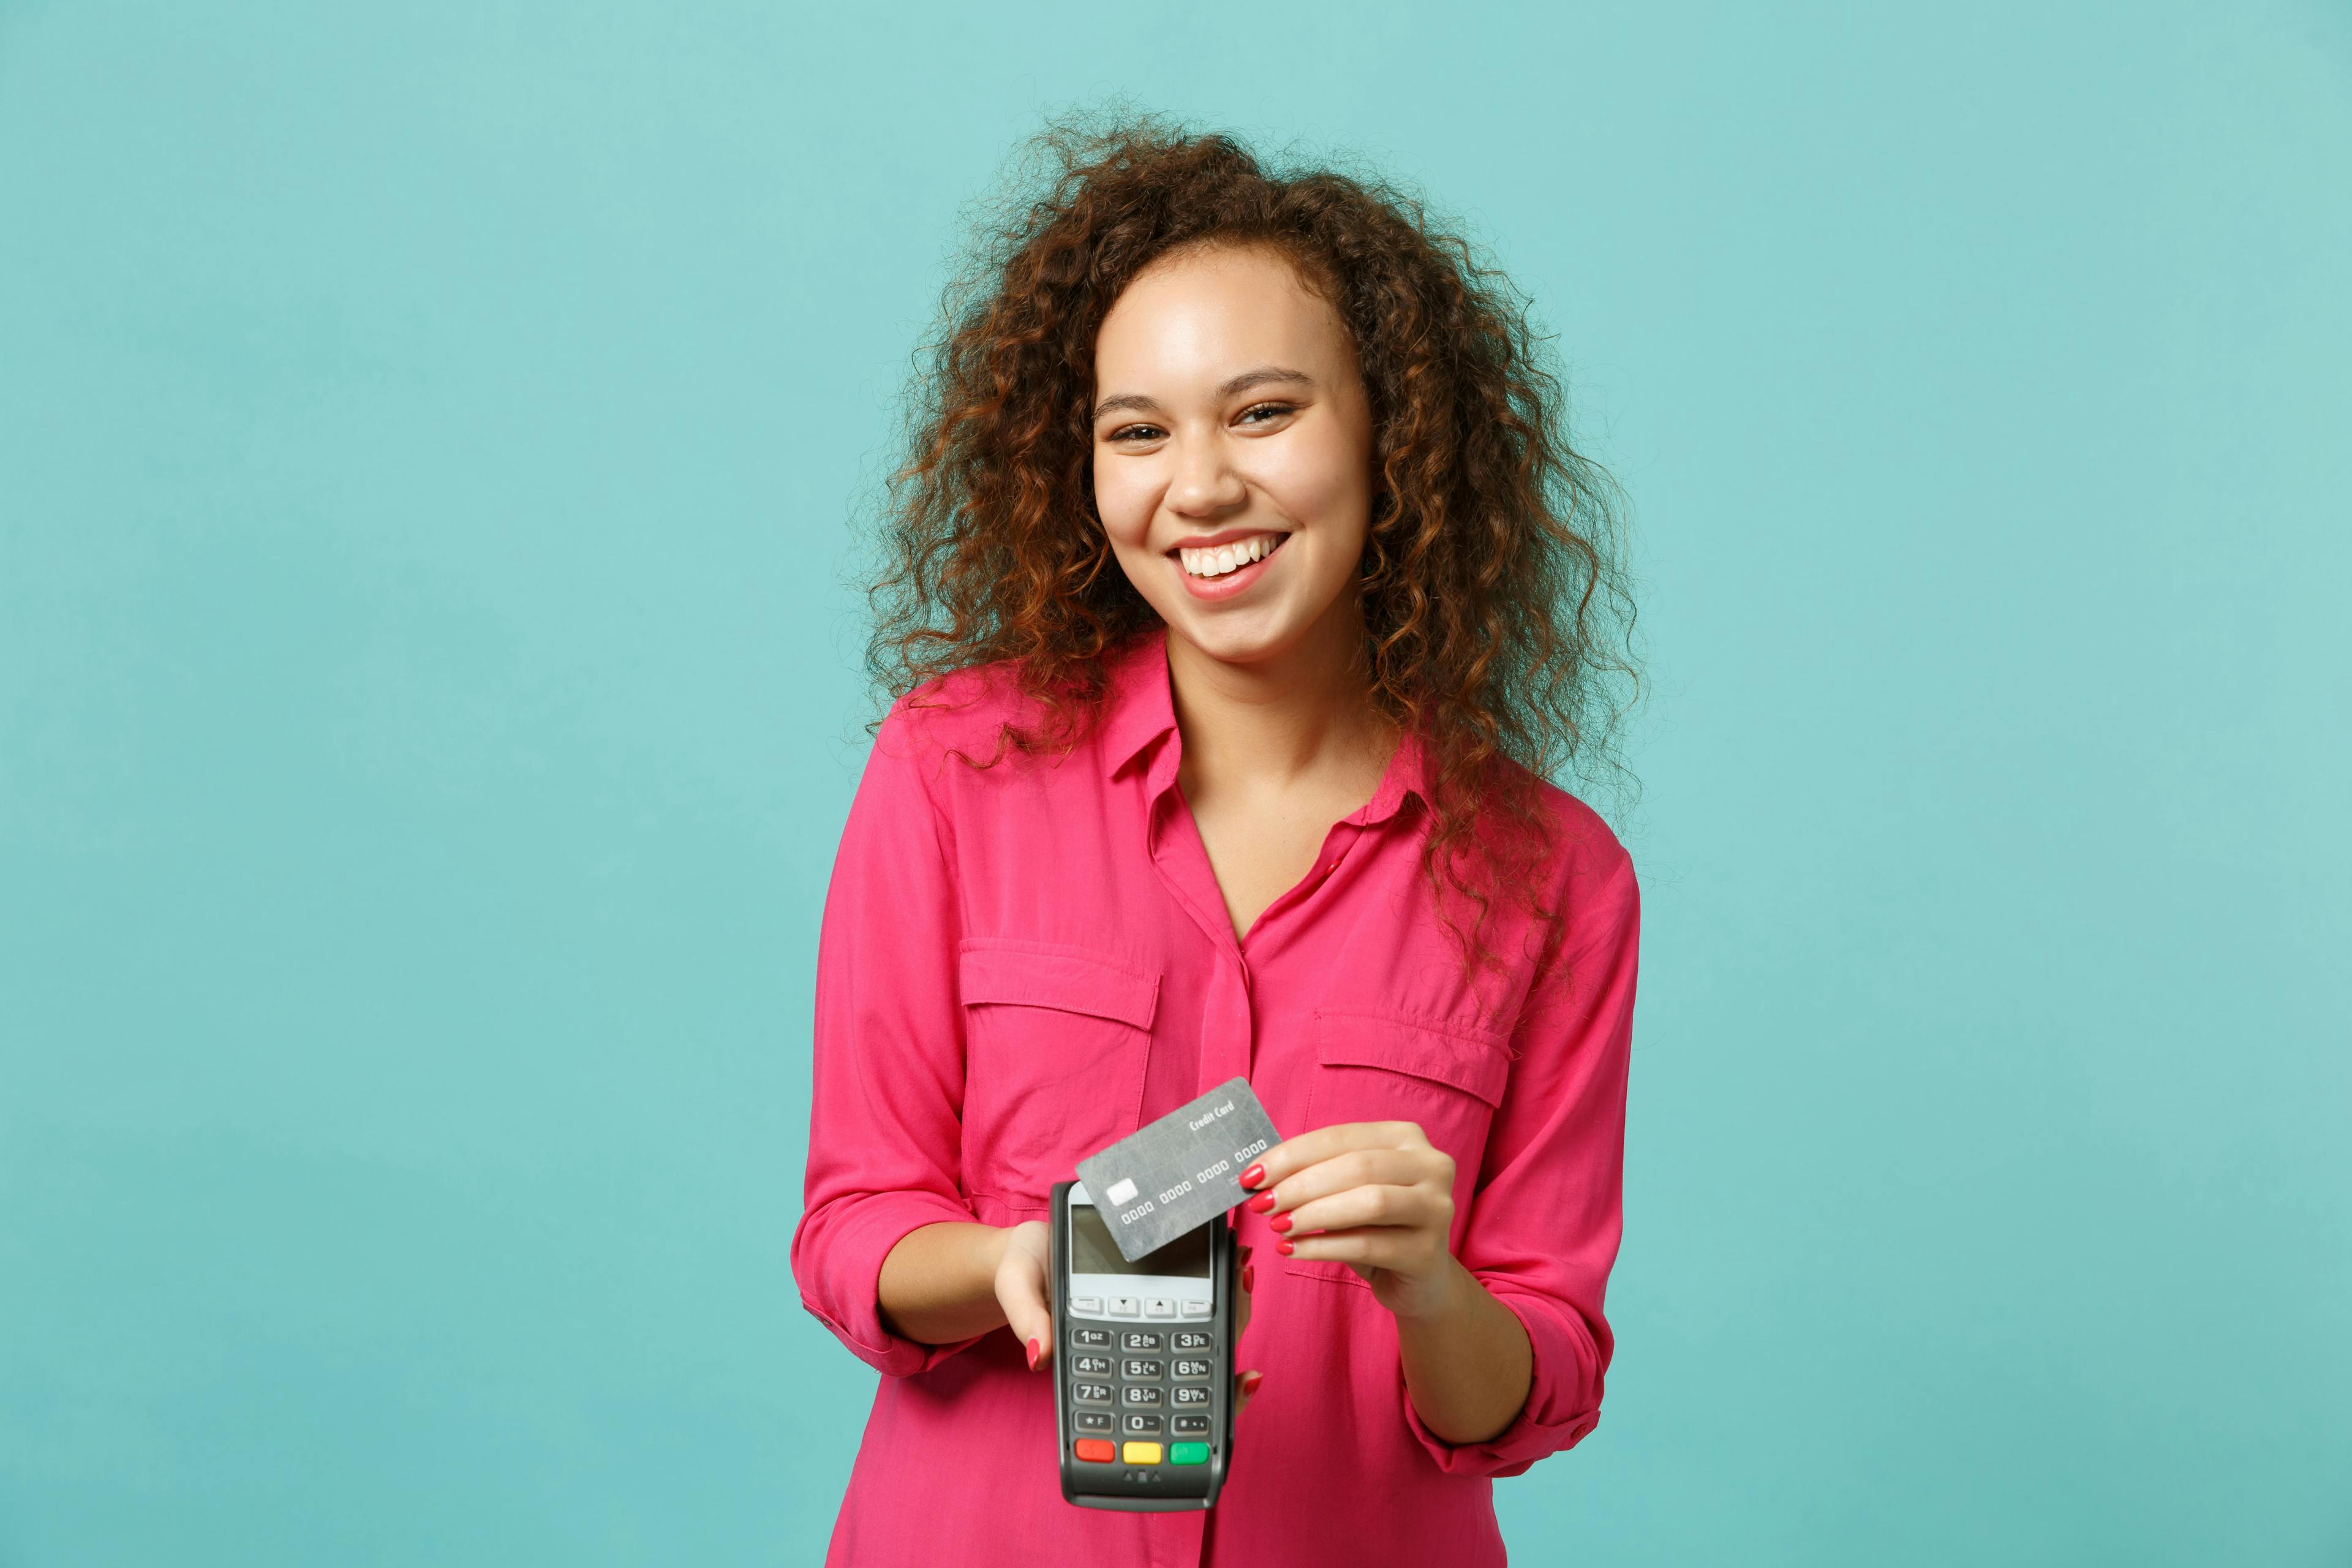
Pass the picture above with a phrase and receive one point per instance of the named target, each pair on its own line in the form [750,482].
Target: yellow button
[1140,1454]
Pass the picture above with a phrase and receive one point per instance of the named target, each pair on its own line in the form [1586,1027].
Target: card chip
[1121,1192]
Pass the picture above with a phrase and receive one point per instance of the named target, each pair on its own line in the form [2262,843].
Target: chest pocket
[1055,1038]
[1378,1067]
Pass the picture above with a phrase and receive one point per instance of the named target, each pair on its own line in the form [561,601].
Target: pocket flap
[1476,1063]
[1049,975]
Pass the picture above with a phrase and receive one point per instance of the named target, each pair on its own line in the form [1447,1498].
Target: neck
[1277,719]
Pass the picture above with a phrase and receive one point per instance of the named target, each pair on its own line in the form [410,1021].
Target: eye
[1272,408]
[1133,433]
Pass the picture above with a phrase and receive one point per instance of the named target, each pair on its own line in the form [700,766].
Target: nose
[1205,481]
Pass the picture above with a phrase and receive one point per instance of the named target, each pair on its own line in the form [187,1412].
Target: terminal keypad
[1153,1369]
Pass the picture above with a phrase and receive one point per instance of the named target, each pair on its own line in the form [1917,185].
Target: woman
[1243,587]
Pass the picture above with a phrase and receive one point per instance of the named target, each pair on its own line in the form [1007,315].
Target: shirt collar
[1138,708]
[1139,711]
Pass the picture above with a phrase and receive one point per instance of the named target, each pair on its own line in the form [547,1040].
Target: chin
[1237,639]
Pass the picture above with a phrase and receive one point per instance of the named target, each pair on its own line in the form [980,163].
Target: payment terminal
[1143,1362]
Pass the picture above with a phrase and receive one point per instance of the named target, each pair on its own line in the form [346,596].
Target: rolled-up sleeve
[884,1127]
[1547,1214]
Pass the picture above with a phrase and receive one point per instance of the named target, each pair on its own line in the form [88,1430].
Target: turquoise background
[429,702]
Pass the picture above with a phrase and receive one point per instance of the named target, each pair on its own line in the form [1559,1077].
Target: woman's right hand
[1022,1273]
[1023,1292]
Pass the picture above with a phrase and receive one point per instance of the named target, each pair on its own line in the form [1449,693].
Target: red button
[1100,1450]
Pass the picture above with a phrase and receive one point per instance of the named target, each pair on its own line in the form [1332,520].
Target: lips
[1210,562]
[1225,566]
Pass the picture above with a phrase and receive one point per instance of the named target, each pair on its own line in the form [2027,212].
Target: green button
[1188,1453]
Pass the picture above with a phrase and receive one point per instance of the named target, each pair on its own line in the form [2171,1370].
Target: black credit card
[1180,1172]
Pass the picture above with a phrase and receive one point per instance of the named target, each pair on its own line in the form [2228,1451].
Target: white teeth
[1216,561]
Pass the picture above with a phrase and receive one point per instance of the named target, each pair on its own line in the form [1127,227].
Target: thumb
[1032,1325]
[1022,1294]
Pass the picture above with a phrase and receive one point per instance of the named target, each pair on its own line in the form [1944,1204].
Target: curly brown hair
[1496,605]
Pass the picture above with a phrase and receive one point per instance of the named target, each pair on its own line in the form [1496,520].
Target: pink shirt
[1022,964]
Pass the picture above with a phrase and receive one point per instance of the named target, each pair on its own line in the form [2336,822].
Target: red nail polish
[1250,1380]
[1262,1203]
[1254,1175]
[1279,1224]
[1249,1272]
[1033,1355]
[1285,1248]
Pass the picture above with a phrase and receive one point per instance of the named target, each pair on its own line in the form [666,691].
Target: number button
[1188,1342]
[1183,1369]
[1138,1368]
[1090,1393]
[1139,1396]
[1141,1341]
[1188,1395]
[1136,1424]
[1091,1336]
[1095,1365]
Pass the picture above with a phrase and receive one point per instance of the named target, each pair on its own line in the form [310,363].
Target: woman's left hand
[1375,1195]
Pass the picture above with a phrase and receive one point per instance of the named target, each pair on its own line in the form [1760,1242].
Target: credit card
[1180,1172]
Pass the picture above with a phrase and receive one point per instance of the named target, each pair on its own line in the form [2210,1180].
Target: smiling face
[1232,452]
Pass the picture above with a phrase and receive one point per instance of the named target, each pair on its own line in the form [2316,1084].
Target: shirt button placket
[1227,1043]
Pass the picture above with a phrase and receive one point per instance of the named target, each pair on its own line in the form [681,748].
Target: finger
[1355,1168]
[1403,1249]
[1249,1283]
[1295,1154]
[1413,1207]
[1023,1296]
[1245,1385]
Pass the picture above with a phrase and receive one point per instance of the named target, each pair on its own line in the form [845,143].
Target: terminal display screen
[1092,1251]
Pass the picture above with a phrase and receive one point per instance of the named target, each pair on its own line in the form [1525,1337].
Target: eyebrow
[1238,385]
